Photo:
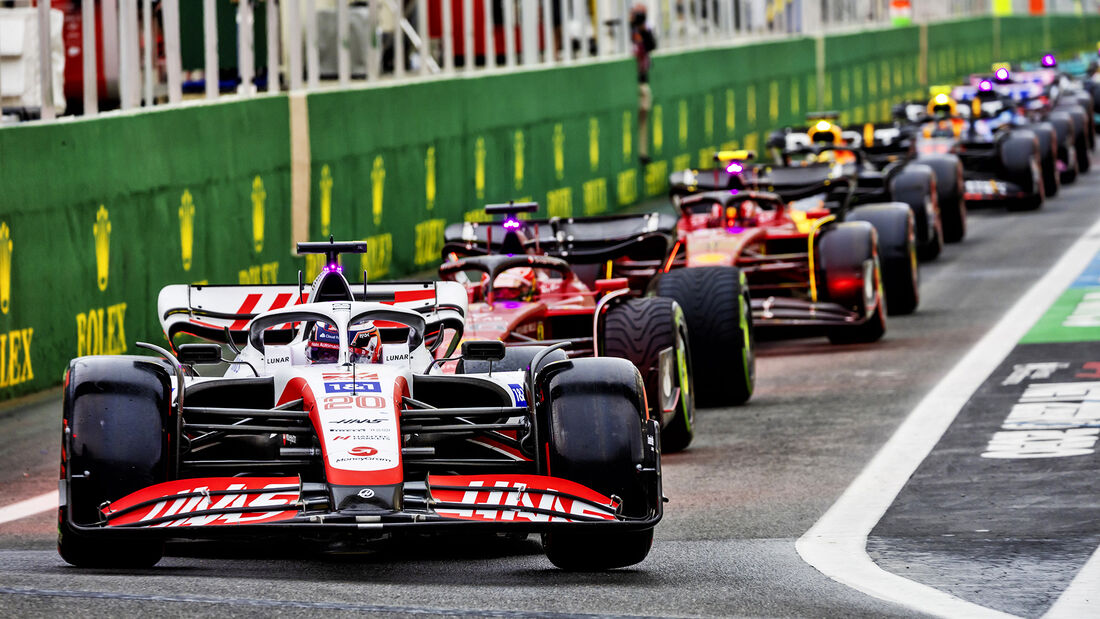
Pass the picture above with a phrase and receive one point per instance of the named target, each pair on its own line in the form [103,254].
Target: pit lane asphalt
[755,479]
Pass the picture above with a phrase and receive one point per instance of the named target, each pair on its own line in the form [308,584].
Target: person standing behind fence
[644,43]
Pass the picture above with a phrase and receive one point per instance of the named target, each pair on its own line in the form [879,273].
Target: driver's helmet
[942,106]
[516,284]
[825,132]
[364,344]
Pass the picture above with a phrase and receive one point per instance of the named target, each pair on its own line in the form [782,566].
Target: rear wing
[586,240]
[222,313]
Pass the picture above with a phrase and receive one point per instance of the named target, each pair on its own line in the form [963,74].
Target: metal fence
[131,52]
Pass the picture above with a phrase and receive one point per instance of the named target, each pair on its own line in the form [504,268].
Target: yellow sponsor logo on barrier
[519,146]
[429,241]
[259,196]
[682,162]
[750,104]
[628,133]
[479,168]
[377,185]
[15,357]
[658,128]
[628,186]
[376,262]
[708,116]
[267,273]
[656,178]
[559,151]
[731,111]
[6,247]
[429,177]
[101,230]
[101,331]
[594,143]
[595,196]
[187,228]
[326,199]
[773,101]
[559,202]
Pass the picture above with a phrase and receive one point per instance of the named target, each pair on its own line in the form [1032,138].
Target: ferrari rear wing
[584,240]
[218,313]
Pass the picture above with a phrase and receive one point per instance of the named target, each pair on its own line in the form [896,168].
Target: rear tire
[117,435]
[949,194]
[1048,157]
[1080,136]
[896,252]
[1019,156]
[716,304]
[1064,133]
[595,437]
[915,186]
[638,330]
[848,254]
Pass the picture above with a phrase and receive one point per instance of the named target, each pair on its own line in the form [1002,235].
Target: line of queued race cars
[533,388]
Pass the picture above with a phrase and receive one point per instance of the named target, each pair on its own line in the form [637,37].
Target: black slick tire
[117,434]
[593,420]
[848,254]
[949,193]
[893,223]
[716,304]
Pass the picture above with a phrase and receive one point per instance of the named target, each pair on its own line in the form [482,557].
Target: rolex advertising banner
[97,215]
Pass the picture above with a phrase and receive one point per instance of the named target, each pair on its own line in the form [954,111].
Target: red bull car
[336,424]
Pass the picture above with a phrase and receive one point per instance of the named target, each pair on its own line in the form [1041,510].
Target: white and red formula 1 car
[316,433]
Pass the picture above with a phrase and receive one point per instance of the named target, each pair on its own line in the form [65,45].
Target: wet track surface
[755,479]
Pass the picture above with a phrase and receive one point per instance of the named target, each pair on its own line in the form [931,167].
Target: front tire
[117,438]
[716,304]
[638,330]
[593,420]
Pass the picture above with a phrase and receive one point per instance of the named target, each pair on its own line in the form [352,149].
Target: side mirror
[482,350]
[201,354]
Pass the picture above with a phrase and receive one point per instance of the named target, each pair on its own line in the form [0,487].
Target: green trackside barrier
[867,72]
[725,98]
[97,215]
[394,165]
[731,97]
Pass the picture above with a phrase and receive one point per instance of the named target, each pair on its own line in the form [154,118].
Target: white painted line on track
[837,544]
[28,507]
[1082,597]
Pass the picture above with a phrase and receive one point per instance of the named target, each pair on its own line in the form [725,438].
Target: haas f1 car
[592,283]
[336,424]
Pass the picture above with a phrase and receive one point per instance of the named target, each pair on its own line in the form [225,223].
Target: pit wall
[97,215]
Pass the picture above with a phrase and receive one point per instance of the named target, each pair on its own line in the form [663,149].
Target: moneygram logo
[102,232]
[363,451]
